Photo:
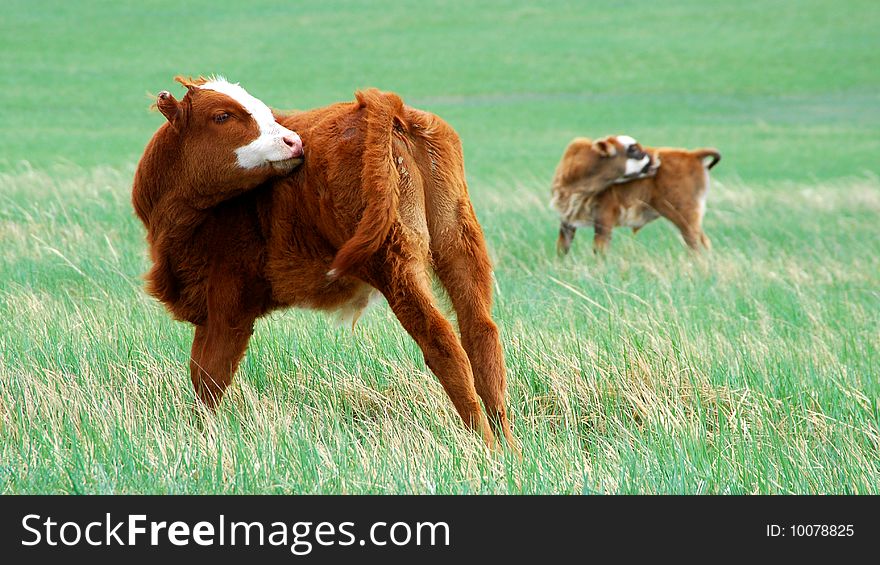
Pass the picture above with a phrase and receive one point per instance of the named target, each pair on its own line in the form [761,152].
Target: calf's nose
[295,143]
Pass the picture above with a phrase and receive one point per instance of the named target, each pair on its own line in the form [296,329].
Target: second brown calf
[677,192]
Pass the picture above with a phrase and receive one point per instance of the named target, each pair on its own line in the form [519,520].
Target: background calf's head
[602,162]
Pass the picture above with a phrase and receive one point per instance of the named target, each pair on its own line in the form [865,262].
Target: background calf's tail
[703,153]
[379,182]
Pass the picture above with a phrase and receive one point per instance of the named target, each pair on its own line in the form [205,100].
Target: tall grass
[751,369]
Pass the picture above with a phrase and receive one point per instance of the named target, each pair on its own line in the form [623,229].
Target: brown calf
[379,202]
[674,186]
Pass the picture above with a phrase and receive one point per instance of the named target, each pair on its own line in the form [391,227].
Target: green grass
[755,369]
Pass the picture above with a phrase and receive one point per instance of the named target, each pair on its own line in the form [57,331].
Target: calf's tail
[703,153]
[379,181]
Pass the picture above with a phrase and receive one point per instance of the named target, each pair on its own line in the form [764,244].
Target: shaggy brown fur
[676,191]
[379,202]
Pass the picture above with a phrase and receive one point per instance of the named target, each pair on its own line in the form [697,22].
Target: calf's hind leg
[462,264]
[707,243]
[407,288]
[688,223]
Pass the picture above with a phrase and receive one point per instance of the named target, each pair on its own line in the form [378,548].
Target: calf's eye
[220,118]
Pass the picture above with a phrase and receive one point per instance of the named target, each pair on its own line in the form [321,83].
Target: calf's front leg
[566,236]
[219,344]
[216,352]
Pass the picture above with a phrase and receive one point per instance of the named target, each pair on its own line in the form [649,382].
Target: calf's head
[615,158]
[225,137]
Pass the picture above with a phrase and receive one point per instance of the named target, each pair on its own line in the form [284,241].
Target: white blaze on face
[626,141]
[633,166]
[270,145]
[636,166]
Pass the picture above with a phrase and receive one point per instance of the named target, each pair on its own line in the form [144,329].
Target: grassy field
[755,369]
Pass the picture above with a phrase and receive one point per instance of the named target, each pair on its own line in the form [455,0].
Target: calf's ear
[167,104]
[605,148]
[190,83]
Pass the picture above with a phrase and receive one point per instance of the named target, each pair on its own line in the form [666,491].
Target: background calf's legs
[707,243]
[603,224]
[566,236]
[689,226]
